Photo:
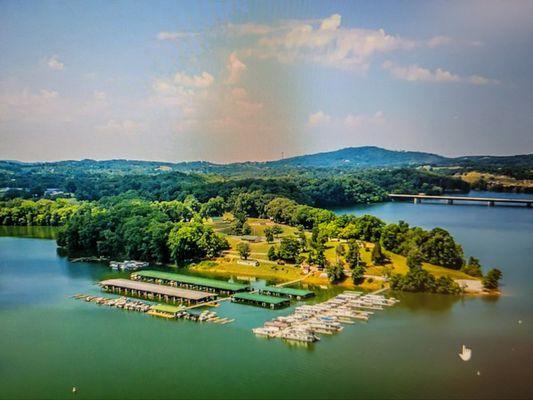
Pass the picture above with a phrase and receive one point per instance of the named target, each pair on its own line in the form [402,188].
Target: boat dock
[190,282]
[153,291]
[157,310]
[327,318]
[286,292]
[261,300]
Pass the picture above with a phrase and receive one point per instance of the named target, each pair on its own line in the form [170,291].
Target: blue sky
[235,81]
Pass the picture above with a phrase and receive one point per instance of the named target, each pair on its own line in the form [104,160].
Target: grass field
[228,264]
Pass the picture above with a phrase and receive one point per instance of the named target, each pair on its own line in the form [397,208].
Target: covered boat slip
[153,291]
[261,300]
[287,292]
[190,282]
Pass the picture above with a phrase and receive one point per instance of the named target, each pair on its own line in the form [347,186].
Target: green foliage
[492,279]
[414,259]
[353,256]
[289,249]
[269,235]
[335,272]
[367,228]
[420,280]
[358,273]
[42,212]
[190,241]
[272,253]
[377,256]
[244,250]
[472,267]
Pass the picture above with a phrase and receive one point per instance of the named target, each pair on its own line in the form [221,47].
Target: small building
[165,311]
[260,300]
[251,238]
[291,293]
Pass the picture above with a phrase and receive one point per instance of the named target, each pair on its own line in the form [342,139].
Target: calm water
[50,342]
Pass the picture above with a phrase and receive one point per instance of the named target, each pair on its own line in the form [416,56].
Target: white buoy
[478,373]
[466,353]
[74,390]
[519,322]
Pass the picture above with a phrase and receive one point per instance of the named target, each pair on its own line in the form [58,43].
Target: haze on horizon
[250,80]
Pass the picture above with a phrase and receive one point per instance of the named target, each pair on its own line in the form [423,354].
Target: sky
[236,81]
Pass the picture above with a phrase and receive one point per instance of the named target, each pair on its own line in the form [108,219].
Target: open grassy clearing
[229,264]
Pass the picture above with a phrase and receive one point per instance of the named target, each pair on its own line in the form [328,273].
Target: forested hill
[360,157]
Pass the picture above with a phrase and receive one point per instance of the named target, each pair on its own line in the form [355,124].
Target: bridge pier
[450,201]
[490,203]
[416,200]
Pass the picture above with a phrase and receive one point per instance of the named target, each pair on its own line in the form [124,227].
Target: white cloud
[332,23]
[357,121]
[55,64]
[198,81]
[319,118]
[99,95]
[414,73]
[114,127]
[327,43]
[235,68]
[175,36]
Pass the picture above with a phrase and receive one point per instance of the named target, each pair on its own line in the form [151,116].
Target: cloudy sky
[238,81]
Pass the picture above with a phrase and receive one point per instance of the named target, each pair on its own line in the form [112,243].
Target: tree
[358,274]
[414,259]
[289,249]
[244,250]
[269,235]
[335,272]
[492,279]
[246,229]
[353,256]
[472,267]
[339,251]
[377,255]
[272,254]
[277,230]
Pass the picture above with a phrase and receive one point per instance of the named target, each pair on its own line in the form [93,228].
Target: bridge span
[490,201]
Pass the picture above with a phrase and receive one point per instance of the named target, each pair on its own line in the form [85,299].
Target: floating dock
[153,291]
[287,292]
[190,282]
[261,300]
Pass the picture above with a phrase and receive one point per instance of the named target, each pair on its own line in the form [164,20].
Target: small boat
[466,353]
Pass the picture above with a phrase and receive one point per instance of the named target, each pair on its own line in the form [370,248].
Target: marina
[153,291]
[261,300]
[291,293]
[190,282]
[326,318]
[157,310]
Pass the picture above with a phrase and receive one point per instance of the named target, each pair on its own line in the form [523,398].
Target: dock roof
[288,291]
[192,280]
[260,298]
[166,308]
[158,289]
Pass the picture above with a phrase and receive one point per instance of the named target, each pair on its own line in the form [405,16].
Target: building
[260,300]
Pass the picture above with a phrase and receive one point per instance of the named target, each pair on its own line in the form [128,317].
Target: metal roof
[260,298]
[158,289]
[192,280]
[287,291]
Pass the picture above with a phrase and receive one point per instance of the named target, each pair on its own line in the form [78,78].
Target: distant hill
[349,158]
[360,157]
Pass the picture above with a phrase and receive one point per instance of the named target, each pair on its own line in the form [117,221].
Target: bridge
[490,201]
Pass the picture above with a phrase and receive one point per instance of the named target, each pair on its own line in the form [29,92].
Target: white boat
[466,353]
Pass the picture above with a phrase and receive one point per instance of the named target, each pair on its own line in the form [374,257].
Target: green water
[50,342]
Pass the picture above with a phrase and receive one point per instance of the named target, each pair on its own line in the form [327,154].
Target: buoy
[466,353]
[74,390]
[519,322]
[478,373]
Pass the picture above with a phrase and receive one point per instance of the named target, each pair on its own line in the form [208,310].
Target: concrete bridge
[490,201]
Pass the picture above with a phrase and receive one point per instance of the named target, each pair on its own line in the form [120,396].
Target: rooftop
[260,298]
[166,308]
[288,291]
[159,289]
[193,280]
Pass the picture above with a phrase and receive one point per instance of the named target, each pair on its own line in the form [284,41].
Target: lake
[50,342]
